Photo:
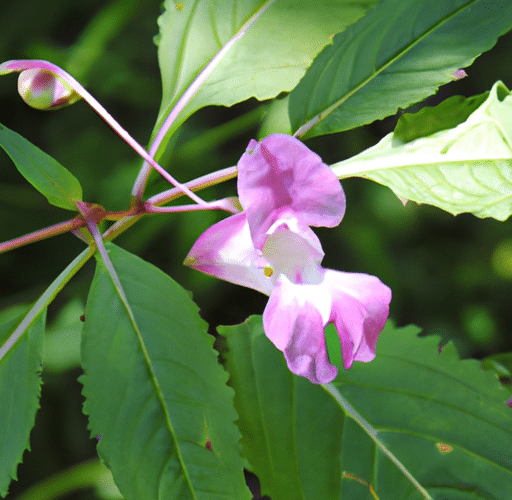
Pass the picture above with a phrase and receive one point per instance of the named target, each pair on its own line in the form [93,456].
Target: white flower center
[291,255]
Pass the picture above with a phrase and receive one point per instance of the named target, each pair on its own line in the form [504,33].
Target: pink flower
[284,188]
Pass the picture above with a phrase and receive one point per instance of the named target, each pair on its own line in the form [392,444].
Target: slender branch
[41,234]
[172,194]
[21,65]
[45,299]
[195,185]
[372,432]
[140,182]
[230,204]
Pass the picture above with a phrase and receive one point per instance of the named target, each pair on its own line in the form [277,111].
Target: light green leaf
[464,169]
[50,178]
[20,388]
[411,414]
[154,389]
[268,59]
[396,55]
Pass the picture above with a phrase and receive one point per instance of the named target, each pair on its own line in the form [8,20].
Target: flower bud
[41,89]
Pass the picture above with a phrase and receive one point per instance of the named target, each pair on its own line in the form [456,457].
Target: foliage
[170,417]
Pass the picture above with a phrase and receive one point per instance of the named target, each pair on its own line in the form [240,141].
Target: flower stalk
[70,82]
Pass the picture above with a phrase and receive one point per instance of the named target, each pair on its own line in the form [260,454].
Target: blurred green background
[452,276]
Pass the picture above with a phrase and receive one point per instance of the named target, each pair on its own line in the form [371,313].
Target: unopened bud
[41,89]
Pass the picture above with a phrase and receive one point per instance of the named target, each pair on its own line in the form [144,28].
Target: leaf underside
[270,58]
[464,169]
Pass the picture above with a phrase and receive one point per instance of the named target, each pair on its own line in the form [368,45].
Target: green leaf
[501,364]
[20,388]
[465,169]
[283,419]
[396,55]
[50,178]
[442,421]
[154,389]
[450,113]
[268,59]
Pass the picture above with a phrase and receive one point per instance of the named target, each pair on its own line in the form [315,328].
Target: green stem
[85,475]
[46,298]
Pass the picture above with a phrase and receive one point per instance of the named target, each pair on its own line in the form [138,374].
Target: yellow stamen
[268,271]
[190,261]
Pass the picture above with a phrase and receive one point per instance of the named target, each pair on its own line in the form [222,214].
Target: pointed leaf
[283,419]
[465,169]
[154,389]
[269,58]
[448,114]
[444,422]
[50,178]
[396,55]
[20,388]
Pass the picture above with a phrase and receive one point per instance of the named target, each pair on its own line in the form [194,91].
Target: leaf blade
[463,169]
[50,178]
[382,63]
[20,388]
[264,394]
[402,410]
[171,401]
[259,65]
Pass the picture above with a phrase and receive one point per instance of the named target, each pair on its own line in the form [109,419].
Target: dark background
[452,276]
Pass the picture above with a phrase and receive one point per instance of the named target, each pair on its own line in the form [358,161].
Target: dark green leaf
[154,389]
[450,113]
[50,178]
[283,419]
[20,387]
[396,55]
[444,421]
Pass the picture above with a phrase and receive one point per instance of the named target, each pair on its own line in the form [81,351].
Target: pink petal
[225,250]
[297,329]
[360,308]
[281,174]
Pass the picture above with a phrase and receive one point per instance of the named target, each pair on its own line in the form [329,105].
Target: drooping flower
[284,189]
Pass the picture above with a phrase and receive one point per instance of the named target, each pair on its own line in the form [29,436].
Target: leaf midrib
[158,391]
[400,54]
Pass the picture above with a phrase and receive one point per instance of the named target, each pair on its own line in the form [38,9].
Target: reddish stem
[41,234]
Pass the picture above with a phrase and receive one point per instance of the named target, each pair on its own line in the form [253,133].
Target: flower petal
[295,253]
[296,327]
[360,308]
[282,174]
[225,250]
